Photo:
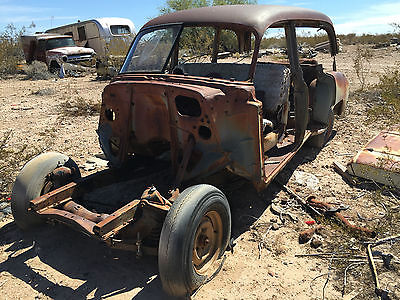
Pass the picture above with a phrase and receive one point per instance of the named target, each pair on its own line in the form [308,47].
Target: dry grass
[44,92]
[362,65]
[79,107]
[10,161]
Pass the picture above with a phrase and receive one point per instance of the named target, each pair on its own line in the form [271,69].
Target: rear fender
[342,92]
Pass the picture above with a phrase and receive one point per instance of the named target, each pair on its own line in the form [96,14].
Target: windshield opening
[151,50]
[58,43]
[194,53]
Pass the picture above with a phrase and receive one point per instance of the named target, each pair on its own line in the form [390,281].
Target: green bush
[11,53]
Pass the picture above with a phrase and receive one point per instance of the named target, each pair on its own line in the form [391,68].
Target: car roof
[256,17]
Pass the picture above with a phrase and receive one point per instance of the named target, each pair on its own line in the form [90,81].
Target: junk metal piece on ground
[379,160]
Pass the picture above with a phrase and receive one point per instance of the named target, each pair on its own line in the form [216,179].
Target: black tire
[31,182]
[319,140]
[199,222]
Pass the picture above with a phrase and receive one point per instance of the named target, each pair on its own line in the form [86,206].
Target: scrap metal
[328,209]
[379,159]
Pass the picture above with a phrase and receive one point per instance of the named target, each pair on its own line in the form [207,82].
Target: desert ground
[55,262]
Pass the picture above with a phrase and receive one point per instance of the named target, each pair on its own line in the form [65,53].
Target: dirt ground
[54,262]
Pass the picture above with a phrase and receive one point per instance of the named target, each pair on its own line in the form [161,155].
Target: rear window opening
[120,29]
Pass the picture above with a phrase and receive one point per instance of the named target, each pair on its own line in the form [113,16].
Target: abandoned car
[54,50]
[109,37]
[193,101]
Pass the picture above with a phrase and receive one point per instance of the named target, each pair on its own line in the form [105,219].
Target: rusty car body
[54,50]
[167,123]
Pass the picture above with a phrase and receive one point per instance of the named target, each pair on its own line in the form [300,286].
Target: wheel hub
[208,242]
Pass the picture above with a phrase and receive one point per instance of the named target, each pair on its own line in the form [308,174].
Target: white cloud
[368,25]
[24,19]
[374,19]
[6,9]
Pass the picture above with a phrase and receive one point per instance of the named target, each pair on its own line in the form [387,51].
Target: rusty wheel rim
[207,242]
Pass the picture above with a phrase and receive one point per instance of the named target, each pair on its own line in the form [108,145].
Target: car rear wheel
[36,178]
[194,236]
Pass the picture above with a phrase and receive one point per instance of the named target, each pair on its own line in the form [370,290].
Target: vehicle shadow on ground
[105,272]
[108,272]
[247,205]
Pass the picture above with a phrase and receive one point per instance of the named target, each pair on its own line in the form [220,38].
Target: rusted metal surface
[307,234]
[71,53]
[119,218]
[226,133]
[53,198]
[277,158]
[79,210]
[328,209]
[300,89]
[79,223]
[152,197]
[379,160]
[342,92]
[195,125]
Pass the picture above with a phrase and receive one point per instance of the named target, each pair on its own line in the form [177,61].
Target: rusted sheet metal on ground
[379,160]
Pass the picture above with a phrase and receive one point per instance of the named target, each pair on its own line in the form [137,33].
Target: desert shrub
[44,92]
[37,70]
[362,65]
[387,104]
[11,53]
[79,107]
[352,38]
[109,64]
[11,159]
[396,29]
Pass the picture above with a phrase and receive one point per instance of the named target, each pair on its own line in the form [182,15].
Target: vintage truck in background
[109,37]
[180,118]
[54,50]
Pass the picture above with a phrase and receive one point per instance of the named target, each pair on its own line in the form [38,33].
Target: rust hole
[188,106]
[110,114]
[204,132]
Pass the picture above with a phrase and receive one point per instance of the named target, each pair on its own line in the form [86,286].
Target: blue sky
[368,16]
